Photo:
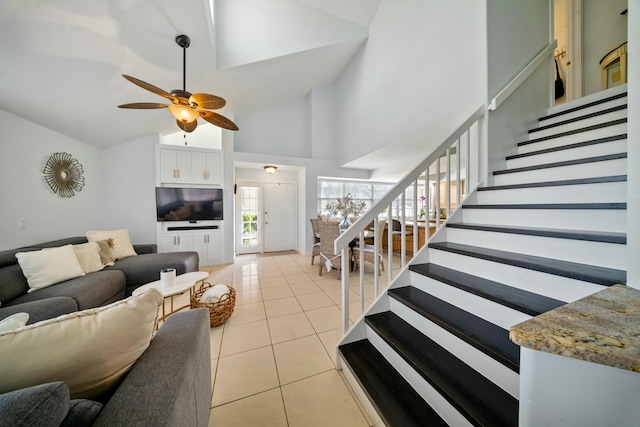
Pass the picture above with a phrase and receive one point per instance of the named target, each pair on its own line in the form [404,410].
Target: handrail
[522,76]
[341,244]
[386,200]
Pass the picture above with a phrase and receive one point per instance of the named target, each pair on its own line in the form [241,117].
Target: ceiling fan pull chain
[184,68]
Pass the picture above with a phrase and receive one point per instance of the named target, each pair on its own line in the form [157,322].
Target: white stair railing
[434,172]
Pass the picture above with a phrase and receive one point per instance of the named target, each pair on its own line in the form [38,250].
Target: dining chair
[315,250]
[396,233]
[329,232]
[370,250]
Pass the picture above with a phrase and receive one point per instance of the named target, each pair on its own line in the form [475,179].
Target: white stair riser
[499,374]
[490,311]
[570,219]
[574,138]
[603,118]
[606,192]
[429,394]
[602,149]
[584,252]
[584,111]
[583,170]
[561,288]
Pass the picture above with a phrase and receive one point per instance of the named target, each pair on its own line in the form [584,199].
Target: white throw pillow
[88,255]
[89,350]
[122,246]
[14,321]
[49,266]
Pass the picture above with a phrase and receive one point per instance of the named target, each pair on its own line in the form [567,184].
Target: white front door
[279,216]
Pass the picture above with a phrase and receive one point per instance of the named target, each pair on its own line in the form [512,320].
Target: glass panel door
[249,236]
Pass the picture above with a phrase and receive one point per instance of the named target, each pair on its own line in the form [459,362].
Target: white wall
[128,196]
[323,123]
[604,29]
[206,135]
[24,193]
[423,62]
[282,130]
[633,148]
[517,32]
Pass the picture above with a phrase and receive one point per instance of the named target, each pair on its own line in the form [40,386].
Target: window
[331,189]
[370,192]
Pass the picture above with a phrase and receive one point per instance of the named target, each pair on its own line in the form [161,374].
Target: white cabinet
[206,167]
[175,165]
[208,246]
[190,166]
[176,242]
[207,242]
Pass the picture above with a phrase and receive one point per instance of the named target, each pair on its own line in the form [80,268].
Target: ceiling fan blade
[218,120]
[143,105]
[149,87]
[187,126]
[204,100]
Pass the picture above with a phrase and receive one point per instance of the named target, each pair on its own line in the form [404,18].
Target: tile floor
[273,362]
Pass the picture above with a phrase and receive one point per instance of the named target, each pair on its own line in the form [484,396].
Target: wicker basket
[219,311]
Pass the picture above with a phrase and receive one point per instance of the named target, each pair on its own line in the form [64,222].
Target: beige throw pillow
[89,350]
[88,255]
[122,246]
[49,266]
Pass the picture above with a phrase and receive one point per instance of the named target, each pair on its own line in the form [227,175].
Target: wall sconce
[270,169]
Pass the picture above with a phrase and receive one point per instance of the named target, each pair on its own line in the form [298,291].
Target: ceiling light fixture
[185,107]
[270,169]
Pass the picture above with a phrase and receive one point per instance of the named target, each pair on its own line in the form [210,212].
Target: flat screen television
[188,204]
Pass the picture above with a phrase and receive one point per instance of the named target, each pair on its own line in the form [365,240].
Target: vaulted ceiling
[61,60]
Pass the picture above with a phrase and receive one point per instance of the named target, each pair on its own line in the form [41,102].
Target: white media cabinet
[194,168]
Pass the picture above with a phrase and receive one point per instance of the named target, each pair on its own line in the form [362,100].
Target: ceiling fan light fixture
[270,169]
[186,107]
[182,113]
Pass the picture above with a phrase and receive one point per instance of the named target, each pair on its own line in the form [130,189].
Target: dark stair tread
[515,298]
[588,273]
[577,181]
[581,107]
[563,163]
[397,403]
[584,117]
[483,335]
[573,132]
[586,235]
[570,146]
[481,401]
[552,206]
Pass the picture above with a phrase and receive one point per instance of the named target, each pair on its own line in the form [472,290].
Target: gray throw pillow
[42,405]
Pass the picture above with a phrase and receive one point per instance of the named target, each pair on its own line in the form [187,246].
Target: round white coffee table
[184,282]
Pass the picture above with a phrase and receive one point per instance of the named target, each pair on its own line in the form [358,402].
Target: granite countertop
[601,328]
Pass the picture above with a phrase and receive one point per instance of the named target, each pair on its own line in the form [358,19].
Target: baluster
[448,192]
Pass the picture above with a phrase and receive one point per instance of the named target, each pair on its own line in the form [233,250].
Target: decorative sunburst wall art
[63,173]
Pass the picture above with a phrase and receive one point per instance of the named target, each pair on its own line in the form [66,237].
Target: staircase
[551,230]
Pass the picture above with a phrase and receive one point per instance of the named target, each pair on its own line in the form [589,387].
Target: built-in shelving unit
[178,166]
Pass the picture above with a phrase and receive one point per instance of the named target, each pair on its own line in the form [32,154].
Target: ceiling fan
[185,107]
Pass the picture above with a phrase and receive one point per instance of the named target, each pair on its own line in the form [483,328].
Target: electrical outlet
[22,223]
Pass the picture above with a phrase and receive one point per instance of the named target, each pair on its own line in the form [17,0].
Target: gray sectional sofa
[93,290]
[169,385]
